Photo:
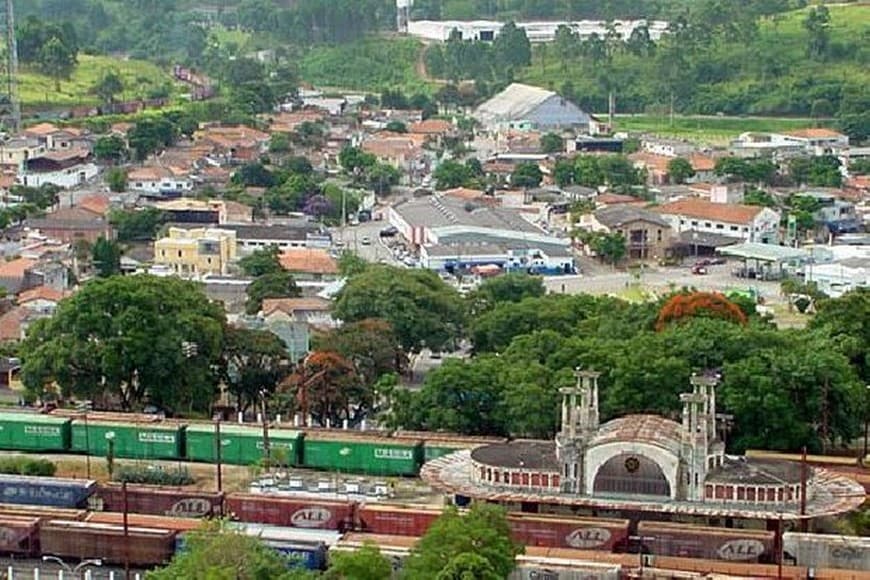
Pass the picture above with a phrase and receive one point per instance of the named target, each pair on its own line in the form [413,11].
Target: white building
[837,278]
[66,169]
[524,107]
[488,30]
[815,141]
[748,223]
[157,180]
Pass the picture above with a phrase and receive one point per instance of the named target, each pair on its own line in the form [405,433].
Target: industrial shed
[524,107]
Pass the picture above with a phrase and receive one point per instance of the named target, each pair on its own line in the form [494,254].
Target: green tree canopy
[261,262]
[367,563]
[274,285]
[217,553]
[483,532]
[527,175]
[417,303]
[120,340]
[253,362]
[106,256]
[679,170]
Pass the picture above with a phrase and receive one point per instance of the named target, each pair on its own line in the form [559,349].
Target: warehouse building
[488,30]
[527,108]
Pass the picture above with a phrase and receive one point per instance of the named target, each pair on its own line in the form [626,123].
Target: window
[694,222]
[163,253]
[179,253]
[708,225]
[720,226]
[658,235]
[734,228]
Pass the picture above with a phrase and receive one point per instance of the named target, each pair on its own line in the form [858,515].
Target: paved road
[355,238]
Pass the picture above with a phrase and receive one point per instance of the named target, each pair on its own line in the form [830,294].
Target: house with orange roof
[74,223]
[434,130]
[655,165]
[13,274]
[698,217]
[13,324]
[311,311]
[41,300]
[96,204]
[403,152]
[233,143]
[309,264]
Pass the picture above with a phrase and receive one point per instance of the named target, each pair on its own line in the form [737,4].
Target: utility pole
[10,106]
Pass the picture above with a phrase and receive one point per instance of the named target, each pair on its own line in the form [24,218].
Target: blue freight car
[45,491]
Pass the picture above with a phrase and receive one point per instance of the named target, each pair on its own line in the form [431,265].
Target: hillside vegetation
[141,79]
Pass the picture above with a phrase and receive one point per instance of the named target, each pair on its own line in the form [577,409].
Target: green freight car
[31,432]
[131,440]
[371,455]
[241,445]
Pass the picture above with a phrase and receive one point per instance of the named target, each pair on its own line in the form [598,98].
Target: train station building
[642,463]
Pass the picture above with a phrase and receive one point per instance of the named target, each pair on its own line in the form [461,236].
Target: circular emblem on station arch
[632,464]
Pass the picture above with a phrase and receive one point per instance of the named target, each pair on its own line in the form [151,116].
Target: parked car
[699,270]
[366,241]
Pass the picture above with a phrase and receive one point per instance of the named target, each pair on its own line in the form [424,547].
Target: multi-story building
[196,252]
[748,223]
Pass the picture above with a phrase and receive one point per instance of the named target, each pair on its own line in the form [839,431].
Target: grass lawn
[37,91]
[714,130]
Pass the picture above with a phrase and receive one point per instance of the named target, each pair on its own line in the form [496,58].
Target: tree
[513,287]
[136,225]
[110,148]
[451,174]
[679,170]
[817,24]
[106,256]
[57,60]
[366,563]
[420,306]
[254,175]
[350,264]
[116,178]
[279,143]
[687,305]
[609,247]
[109,85]
[381,177]
[370,345]
[121,339]
[845,319]
[483,531]
[274,285]
[326,387]
[151,134]
[512,50]
[254,362]
[527,175]
[468,566]
[262,262]
[552,143]
[396,127]
[218,552]
[823,171]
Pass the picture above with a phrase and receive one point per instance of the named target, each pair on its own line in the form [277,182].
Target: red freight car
[41,512]
[295,512]
[686,541]
[568,532]
[82,540]
[158,501]
[18,535]
[395,520]
[143,521]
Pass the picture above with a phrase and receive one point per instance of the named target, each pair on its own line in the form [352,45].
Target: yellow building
[197,251]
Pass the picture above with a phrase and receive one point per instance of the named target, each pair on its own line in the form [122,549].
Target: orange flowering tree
[694,304]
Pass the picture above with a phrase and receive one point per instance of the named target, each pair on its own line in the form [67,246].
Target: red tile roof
[97,204]
[291,305]
[15,268]
[10,324]
[309,261]
[722,212]
[431,127]
[41,293]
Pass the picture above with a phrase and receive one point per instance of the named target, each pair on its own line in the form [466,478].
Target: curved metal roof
[650,429]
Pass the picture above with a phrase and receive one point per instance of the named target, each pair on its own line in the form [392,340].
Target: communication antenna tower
[10,107]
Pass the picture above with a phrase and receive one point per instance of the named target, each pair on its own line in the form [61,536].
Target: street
[355,237]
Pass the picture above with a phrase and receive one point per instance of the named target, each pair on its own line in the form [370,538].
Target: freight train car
[687,541]
[160,501]
[18,535]
[241,445]
[353,453]
[437,445]
[291,512]
[568,532]
[45,491]
[130,440]
[395,520]
[143,547]
[827,551]
[32,432]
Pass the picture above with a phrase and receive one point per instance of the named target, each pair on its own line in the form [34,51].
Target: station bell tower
[579,424]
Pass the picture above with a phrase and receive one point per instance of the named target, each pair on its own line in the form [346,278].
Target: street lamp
[73,570]
[84,408]
[110,452]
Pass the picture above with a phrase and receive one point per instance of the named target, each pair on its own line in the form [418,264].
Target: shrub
[154,476]
[27,466]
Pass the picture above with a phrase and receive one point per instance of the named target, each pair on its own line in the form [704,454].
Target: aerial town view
[434,289]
